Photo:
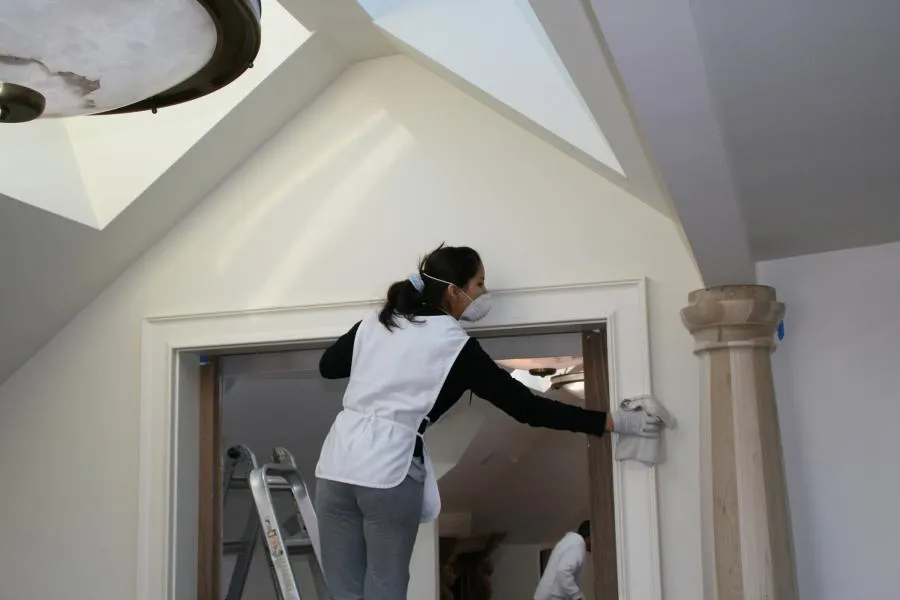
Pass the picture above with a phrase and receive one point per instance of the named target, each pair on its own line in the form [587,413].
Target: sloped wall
[386,164]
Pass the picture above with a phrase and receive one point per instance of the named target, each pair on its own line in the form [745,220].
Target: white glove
[639,423]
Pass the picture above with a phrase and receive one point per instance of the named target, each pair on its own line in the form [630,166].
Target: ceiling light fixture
[117,56]
[572,382]
[542,371]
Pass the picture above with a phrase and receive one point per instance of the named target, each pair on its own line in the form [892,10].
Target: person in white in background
[560,578]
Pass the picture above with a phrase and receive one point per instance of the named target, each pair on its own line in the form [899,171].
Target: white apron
[395,378]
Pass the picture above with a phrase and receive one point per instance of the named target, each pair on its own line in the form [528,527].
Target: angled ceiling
[808,99]
[94,180]
[81,199]
[773,126]
[654,50]
[506,54]
[90,168]
[501,54]
[769,128]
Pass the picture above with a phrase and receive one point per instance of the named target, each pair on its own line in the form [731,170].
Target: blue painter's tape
[780,330]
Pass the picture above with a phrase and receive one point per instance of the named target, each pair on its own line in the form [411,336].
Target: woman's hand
[635,422]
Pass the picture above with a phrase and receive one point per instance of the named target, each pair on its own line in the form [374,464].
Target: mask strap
[448,283]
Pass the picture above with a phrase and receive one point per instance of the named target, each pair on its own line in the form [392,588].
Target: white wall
[516,571]
[424,567]
[387,163]
[837,376]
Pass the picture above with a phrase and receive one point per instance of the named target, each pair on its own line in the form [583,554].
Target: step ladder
[237,457]
[280,475]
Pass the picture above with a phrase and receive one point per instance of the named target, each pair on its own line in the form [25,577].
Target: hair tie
[417,282]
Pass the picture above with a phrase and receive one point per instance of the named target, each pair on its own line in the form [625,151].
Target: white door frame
[168,467]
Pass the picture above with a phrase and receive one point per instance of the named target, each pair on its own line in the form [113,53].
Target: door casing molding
[169,472]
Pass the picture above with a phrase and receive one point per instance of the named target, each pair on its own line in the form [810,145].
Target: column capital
[733,316]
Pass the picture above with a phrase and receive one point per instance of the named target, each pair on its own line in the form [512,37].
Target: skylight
[500,48]
[90,169]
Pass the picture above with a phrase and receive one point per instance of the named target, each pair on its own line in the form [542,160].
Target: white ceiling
[94,180]
[521,61]
[771,128]
[119,191]
[808,98]
[51,267]
[773,125]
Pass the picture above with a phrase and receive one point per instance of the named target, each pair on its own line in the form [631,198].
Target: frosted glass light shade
[572,382]
[575,388]
[91,56]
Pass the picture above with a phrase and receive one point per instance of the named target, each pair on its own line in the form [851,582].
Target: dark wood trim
[209,534]
[600,468]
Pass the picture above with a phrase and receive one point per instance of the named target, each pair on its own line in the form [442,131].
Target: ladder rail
[247,542]
[286,469]
[279,559]
[245,558]
[307,513]
[280,475]
[236,455]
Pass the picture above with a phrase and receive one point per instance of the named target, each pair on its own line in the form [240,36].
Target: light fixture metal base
[542,371]
[566,379]
[20,104]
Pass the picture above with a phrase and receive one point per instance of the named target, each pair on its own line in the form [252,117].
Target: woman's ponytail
[402,299]
[445,265]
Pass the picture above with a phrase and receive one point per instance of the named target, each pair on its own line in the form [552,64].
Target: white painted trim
[167,340]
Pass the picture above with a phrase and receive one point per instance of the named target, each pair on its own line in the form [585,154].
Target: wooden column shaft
[747,539]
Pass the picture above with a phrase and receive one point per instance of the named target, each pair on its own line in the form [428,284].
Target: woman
[408,364]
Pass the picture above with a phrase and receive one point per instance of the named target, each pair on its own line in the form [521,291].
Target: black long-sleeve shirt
[476,371]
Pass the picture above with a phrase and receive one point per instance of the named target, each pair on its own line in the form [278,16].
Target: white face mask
[477,308]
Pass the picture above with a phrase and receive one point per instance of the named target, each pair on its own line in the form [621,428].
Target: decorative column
[748,549]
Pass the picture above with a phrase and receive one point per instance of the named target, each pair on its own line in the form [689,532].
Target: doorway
[271,398]
[169,466]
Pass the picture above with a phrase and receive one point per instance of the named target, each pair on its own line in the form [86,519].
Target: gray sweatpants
[367,536]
